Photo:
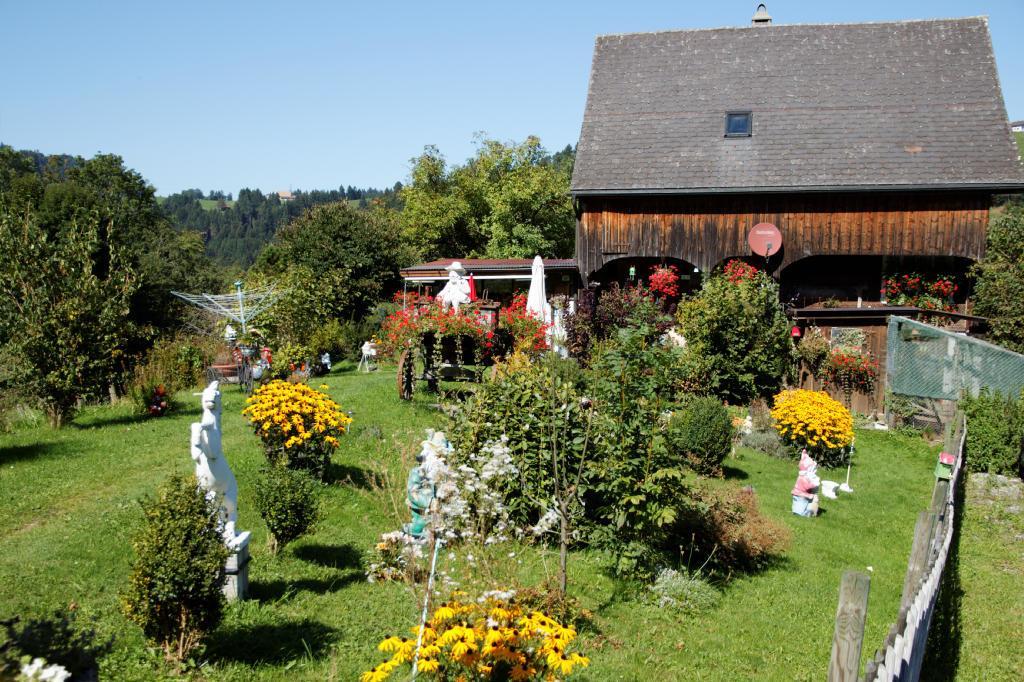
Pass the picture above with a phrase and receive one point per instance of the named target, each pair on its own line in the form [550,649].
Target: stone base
[236,587]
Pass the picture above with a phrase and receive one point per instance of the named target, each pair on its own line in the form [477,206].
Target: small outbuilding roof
[496,268]
[897,105]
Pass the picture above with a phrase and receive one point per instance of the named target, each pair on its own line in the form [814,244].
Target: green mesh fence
[928,362]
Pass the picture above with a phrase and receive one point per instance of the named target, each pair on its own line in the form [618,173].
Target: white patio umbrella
[537,299]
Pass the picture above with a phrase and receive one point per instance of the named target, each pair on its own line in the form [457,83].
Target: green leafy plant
[638,487]
[813,349]
[741,336]
[701,434]
[174,590]
[512,405]
[290,358]
[995,433]
[287,500]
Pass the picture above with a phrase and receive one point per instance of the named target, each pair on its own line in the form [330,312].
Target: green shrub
[995,433]
[638,488]
[738,330]
[290,357]
[58,639]
[513,404]
[684,591]
[701,434]
[343,339]
[174,591]
[769,443]
[287,501]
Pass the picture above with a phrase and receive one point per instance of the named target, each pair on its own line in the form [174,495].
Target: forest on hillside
[236,231]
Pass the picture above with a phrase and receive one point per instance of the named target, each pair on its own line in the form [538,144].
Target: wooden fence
[902,653]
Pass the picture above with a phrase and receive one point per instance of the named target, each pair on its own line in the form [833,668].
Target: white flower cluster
[39,670]
[470,502]
[395,552]
[546,523]
[496,595]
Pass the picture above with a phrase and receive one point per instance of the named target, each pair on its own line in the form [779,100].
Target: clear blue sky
[224,95]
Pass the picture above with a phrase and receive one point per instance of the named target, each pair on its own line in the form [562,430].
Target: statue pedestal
[236,586]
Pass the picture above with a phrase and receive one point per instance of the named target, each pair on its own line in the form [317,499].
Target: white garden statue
[212,470]
[456,291]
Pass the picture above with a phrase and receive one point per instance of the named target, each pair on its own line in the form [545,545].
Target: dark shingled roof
[857,106]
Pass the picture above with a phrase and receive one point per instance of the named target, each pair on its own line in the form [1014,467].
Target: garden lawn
[991,576]
[68,511]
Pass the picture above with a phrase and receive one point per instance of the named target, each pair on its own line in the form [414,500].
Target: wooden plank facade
[705,230]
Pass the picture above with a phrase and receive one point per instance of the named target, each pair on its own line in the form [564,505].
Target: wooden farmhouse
[873,148]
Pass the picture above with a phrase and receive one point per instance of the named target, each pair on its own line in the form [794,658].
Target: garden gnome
[419,489]
[805,490]
[456,291]
[212,468]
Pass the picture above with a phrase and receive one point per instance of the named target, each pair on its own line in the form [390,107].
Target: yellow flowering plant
[299,426]
[493,638]
[814,420]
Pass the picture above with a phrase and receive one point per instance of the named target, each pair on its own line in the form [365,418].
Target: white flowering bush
[38,669]
[470,499]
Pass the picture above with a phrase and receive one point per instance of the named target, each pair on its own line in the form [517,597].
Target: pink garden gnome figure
[805,490]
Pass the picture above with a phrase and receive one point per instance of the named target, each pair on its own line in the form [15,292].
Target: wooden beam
[849,633]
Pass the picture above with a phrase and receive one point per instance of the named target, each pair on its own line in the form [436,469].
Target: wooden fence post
[919,551]
[849,633]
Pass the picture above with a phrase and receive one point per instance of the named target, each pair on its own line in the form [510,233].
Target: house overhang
[994,188]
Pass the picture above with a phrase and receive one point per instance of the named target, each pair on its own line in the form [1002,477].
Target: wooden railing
[902,653]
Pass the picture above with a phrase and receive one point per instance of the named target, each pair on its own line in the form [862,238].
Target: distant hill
[1020,143]
[236,230]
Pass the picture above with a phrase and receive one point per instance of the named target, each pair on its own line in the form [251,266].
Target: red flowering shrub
[664,280]
[737,271]
[528,333]
[914,290]
[850,371]
[405,326]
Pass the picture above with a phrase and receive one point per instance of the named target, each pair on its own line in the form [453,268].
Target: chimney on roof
[761,16]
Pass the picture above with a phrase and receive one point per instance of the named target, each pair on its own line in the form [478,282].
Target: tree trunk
[563,549]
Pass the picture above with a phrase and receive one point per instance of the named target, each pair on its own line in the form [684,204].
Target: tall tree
[65,327]
[508,201]
[334,261]
[999,289]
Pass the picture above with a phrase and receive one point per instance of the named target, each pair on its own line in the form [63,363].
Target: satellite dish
[765,239]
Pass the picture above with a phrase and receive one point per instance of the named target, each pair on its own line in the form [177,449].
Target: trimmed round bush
[701,434]
[174,591]
[287,501]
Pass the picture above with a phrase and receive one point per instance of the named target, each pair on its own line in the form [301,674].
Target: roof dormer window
[739,124]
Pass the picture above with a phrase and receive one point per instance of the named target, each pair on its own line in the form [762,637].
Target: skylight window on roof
[739,124]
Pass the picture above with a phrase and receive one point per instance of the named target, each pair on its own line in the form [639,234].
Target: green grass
[207,204]
[991,574]
[1020,142]
[68,511]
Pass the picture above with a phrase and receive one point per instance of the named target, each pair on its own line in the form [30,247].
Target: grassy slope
[991,571]
[207,204]
[69,511]
[1020,142]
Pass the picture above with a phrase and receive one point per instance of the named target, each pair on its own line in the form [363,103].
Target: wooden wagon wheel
[245,377]
[406,376]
